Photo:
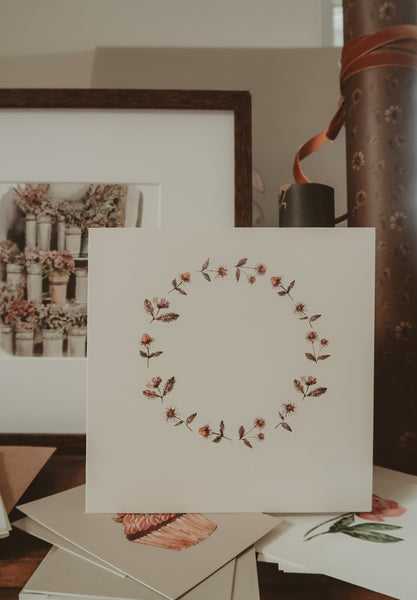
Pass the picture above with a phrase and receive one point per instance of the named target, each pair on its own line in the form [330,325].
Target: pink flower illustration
[382,508]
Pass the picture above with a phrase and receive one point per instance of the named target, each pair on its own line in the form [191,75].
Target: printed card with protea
[375,549]
[228,370]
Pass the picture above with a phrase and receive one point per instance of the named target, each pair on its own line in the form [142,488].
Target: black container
[307,205]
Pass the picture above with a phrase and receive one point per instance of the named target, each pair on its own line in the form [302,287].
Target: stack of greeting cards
[230,373]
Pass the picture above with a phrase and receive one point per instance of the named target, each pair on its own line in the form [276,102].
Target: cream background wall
[51,43]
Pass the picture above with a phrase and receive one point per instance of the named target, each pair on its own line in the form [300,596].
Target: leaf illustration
[181,291]
[289,288]
[191,418]
[241,432]
[381,538]
[315,317]
[247,443]
[148,307]
[217,439]
[143,354]
[174,283]
[342,523]
[298,386]
[156,353]
[206,276]
[286,426]
[310,356]
[150,394]
[323,357]
[317,392]
[242,262]
[237,274]
[178,423]
[221,426]
[368,527]
[169,386]
[206,264]
[168,317]
[281,416]
[282,293]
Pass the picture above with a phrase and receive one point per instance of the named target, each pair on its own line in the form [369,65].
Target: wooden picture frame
[48,396]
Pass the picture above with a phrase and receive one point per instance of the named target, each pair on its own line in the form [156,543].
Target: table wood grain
[21,553]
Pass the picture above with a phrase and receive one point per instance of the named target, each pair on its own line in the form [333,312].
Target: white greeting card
[230,370]
[375,549]
[168,553]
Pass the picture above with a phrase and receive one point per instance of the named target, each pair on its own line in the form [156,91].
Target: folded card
[169,553]
[63,574]
[229,369]
[375,549]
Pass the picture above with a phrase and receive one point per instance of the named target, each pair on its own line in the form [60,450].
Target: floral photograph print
[233,348]
[44,261]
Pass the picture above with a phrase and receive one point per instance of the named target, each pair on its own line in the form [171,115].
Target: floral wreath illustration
[306,386]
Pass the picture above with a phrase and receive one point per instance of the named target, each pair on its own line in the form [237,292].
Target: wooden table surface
[21,553]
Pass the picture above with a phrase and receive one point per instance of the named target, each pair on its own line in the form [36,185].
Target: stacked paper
[183,556]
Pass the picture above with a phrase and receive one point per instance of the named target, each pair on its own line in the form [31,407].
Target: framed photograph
[158,158]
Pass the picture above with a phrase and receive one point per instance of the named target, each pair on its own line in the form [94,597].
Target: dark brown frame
[239,102]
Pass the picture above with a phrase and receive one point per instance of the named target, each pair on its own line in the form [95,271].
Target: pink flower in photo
[382,508]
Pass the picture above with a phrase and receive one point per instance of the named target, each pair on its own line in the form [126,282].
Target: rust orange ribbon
[390,47]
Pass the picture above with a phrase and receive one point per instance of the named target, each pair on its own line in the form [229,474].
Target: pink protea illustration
[382,508]
[172,531]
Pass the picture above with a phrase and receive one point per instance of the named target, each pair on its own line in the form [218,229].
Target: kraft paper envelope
[229,368]
[375,550]
[63,574]
[245,581]
[45,534]
[19,466]
[169,572]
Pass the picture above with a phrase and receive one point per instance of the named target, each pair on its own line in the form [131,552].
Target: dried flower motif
[405,248]
[260,269]
[251,279]
[360,198]
[155,383]
[324,342]
[259,423]
[146,340]
[261,436]
[311,336]
[393,114]
[205,431]
[276,281]
[300,307]
[221,272]
[398,221]
[186,277]
[399,140]
[162,303]
[289,408]
[403,330]
[357,95]
[358,160]
[387,11]
[171,413]
[309,380]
